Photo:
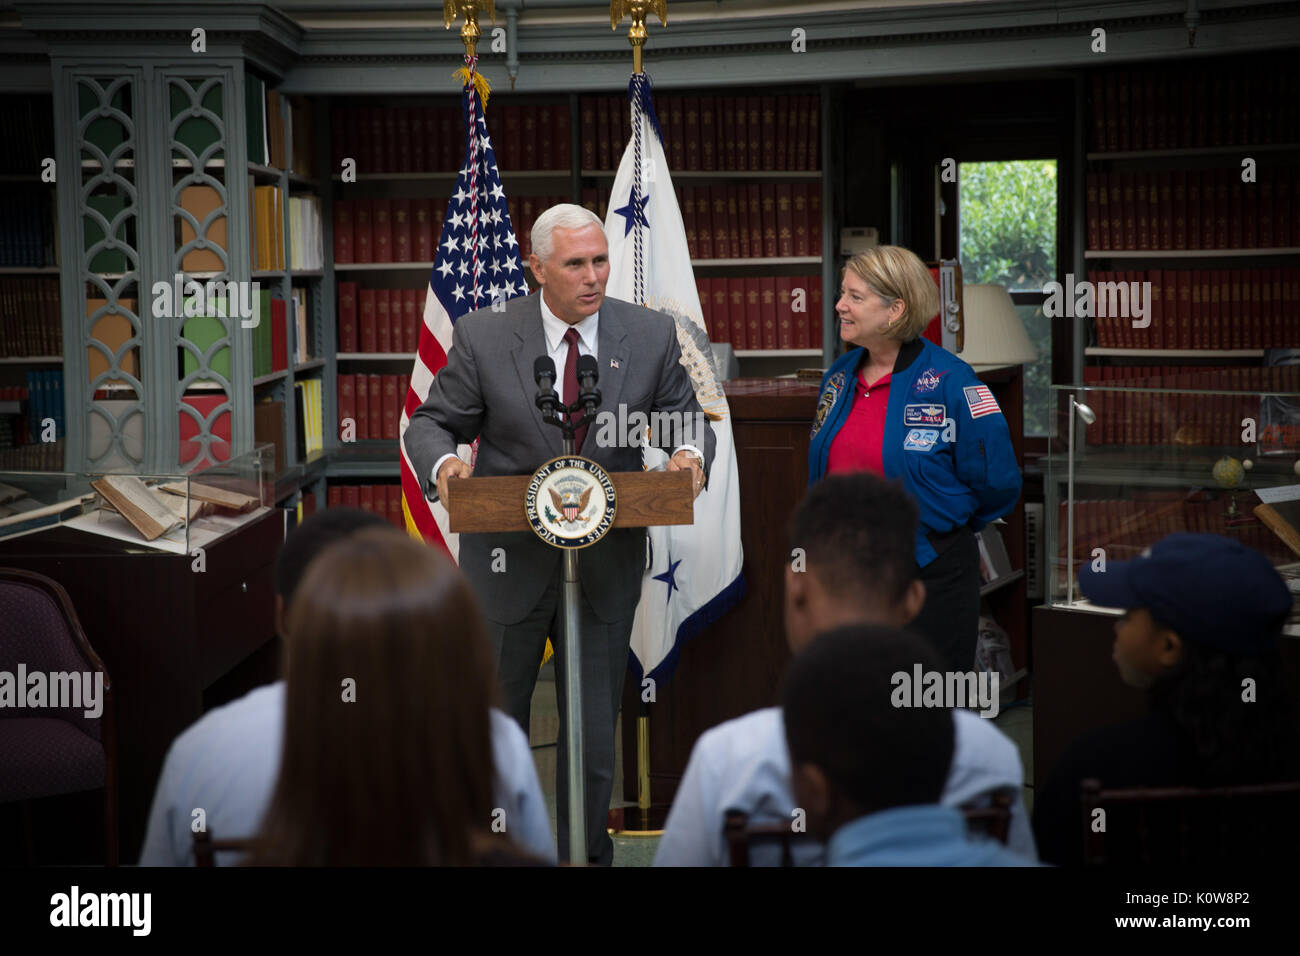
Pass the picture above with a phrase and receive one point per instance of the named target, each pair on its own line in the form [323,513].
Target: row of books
[28,227]
[30,321]
[266,227]
[1124,529]
[735,133]
[1193,209]
[753,221]
[274,338]
[781,312]
[308,411]
[382,500]
[387,230]
[1175,107]
[417,139]
[1201,309]
[266,128]
[1181,418]
[374,403]
[38,456]
[532,137]
[27,130]
[379,320]
[306,240]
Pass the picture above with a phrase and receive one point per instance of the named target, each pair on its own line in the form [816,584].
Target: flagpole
[637,35]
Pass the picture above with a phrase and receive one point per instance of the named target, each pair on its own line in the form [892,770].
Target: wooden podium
[495,504]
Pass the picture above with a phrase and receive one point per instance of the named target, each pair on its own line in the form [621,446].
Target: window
[1007,234]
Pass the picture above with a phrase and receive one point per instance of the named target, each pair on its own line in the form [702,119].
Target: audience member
[868,773]
[1203,616]
[853,563]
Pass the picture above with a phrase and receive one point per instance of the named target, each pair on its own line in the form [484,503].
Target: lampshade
[994,334]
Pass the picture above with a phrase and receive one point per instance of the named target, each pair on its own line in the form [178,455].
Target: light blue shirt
[743,765]
[227,764]
[929,835]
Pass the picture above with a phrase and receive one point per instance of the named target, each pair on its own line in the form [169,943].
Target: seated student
[1203,614]
[857,532]
[867,772]
[387,753]
[226,764]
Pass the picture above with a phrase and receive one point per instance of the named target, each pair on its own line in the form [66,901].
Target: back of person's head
[855,746]
[387,756]
[317,532]
[856,532]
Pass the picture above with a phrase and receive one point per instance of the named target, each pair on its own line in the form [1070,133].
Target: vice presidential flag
[476,264]
[695,570]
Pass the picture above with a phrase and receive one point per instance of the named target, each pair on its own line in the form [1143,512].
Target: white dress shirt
[555,328]
[743,764]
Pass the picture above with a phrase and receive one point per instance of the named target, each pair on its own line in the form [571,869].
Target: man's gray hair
[563,216]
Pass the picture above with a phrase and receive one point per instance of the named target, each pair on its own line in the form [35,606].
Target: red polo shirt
[859,444]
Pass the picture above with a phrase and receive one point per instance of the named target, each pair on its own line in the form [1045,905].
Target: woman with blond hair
[898,405]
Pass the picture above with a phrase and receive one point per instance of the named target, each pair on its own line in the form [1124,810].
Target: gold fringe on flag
[462,76]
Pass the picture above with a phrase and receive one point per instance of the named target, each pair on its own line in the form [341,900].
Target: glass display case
[1130,465]
[175,512]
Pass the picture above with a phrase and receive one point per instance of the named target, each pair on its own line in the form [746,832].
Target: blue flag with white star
[695,570]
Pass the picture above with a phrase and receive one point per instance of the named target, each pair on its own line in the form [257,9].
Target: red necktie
[571,386]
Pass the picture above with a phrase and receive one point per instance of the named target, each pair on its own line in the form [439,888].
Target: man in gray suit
[486,391]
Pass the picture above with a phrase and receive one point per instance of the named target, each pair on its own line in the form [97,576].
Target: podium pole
[573,696]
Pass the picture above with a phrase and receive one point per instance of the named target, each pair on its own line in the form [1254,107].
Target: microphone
[544,376]
[588,375]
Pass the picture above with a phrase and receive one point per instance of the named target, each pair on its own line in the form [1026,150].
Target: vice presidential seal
[570,502]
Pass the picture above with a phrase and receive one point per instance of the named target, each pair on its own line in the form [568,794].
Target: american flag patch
[981,401]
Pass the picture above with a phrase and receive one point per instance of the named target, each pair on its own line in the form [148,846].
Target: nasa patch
[833,387]
[927,381]
[921,439]
[924,414]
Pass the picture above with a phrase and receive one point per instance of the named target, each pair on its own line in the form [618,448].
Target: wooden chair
[52,752]
[1189,825]
[993,821]
[206,848]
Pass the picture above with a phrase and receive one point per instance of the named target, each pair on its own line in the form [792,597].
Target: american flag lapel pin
[613,363]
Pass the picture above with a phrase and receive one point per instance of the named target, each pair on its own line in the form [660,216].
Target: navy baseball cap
[1205,587]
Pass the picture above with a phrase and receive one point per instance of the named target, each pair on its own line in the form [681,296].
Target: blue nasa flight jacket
[964,482]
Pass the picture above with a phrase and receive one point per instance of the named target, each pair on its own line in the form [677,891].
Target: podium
[477,505]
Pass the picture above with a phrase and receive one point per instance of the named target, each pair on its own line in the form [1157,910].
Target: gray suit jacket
[487,391]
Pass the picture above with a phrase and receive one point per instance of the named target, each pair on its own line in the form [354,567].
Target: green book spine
[255,118]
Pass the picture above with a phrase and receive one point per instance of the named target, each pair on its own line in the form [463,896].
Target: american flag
[477,264]
[981,401]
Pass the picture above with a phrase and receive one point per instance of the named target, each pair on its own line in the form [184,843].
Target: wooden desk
[166,634]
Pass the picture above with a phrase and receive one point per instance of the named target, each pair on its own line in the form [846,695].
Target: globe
[1228,472]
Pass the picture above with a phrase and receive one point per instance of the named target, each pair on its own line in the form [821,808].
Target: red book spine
[410,320]
[419,141]
[603,137]
[563,136]
[546,137]
[367,498]
[587,127]
[816,313]
[375,385]
[1221,210]
[390,407]
[347,317]
[383,328]
[343,244]
[1122,121]
[382,218]
[722,224]
[421,230]
[363,233]
[401,213]
[753,314]
[754,131]
[1265,309]
[739,327]
[769,134]
[1103,211]
[689,222]
[706,306]
[767,306]
[1180,208]
[363,407]
[754,219]
[403,144]
[451,141]
[787,337]
[347,404]
[392,513]
[784,152]
[814,219]
[369,320]
[1116,211]
[693,152]
[376,156]
[351,495]
[1283,197]
[530,138]
[334,496]
[1164,335]
[1200,308]
[799,197]
[389,147]
[1235,226]
[1143,211]
[767,196]
[675,130]
[1090,202]
[1128,181]
[784,220]
[1250,214]
[721,310]
[708,132]
[703,221]
[1252,336]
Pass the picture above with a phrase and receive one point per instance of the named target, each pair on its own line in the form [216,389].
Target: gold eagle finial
[637,10]
[469,9]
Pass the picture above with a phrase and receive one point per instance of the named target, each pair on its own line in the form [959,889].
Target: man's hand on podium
[451,468]
[687,460]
